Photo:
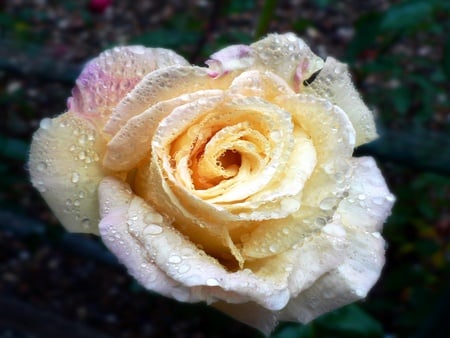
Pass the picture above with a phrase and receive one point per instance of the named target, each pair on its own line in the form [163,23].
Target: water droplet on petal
[153,229]
[75,177]
[290,205]
[378,200]
[184,268]
[41,166]
[175,259]
[273,248]
[45,123]
[86,223]
[212,282]
[327,203]
[390,198]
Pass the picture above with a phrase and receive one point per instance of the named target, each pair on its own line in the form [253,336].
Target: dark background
[56,284]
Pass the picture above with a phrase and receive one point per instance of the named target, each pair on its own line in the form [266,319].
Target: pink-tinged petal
[140,129]
[231,58]
[116,199]
[163,84]
[368,202]
[65,167]
[360,268]
[287,56]
[334,83]
[106,79]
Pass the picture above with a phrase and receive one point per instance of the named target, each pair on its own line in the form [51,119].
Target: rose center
[230,160]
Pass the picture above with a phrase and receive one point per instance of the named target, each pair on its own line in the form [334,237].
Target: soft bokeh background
[55,284]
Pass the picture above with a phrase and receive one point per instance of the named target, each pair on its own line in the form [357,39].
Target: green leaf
[406,16]
[349,321]
[295,331]
[367,29]
[13,148]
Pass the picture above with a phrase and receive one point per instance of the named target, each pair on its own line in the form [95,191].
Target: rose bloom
[232,184]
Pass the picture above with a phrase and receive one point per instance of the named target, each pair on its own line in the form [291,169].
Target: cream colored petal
[333,137]
[229,59]
[287,56]
[368,202]
[212,236]
[140,129]
[65,167]
[161,85]
[106,79]
[301,266]
[116,203]
[263,84]
[334,84]
[143,236]
[349,282]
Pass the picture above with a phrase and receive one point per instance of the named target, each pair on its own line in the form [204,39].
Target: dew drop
[86,223]
[273,248]
[151,218]
[175,259]
[327,203]
[153,229]
[376,234]
[338,70]
[390,198]
[212,282]
[290,205]
[45,123]
[378,200]
[184,268]
[75,177]
[334,230]
[320,221]
[41,166]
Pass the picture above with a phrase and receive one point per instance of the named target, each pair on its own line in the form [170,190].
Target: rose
[233,184]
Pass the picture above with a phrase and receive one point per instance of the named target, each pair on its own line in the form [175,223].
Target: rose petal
[263,84]
[144,234]
[161,85]
[317,117]
[230,58]
[140,129]
[108,78]
[349,282]
[334,84]
[287,56]
[251,314]
[65,168]
[369,201]
[116,199]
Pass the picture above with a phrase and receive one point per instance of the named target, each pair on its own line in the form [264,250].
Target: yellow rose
[233,184]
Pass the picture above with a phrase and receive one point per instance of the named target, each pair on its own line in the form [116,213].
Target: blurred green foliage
[400,57]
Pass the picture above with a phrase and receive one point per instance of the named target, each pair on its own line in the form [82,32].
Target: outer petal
[116,199]
[162,85]
[287,56]
[108,78]
[334,83]
[145,237]
[65,168]
[349,282]
[369,201]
